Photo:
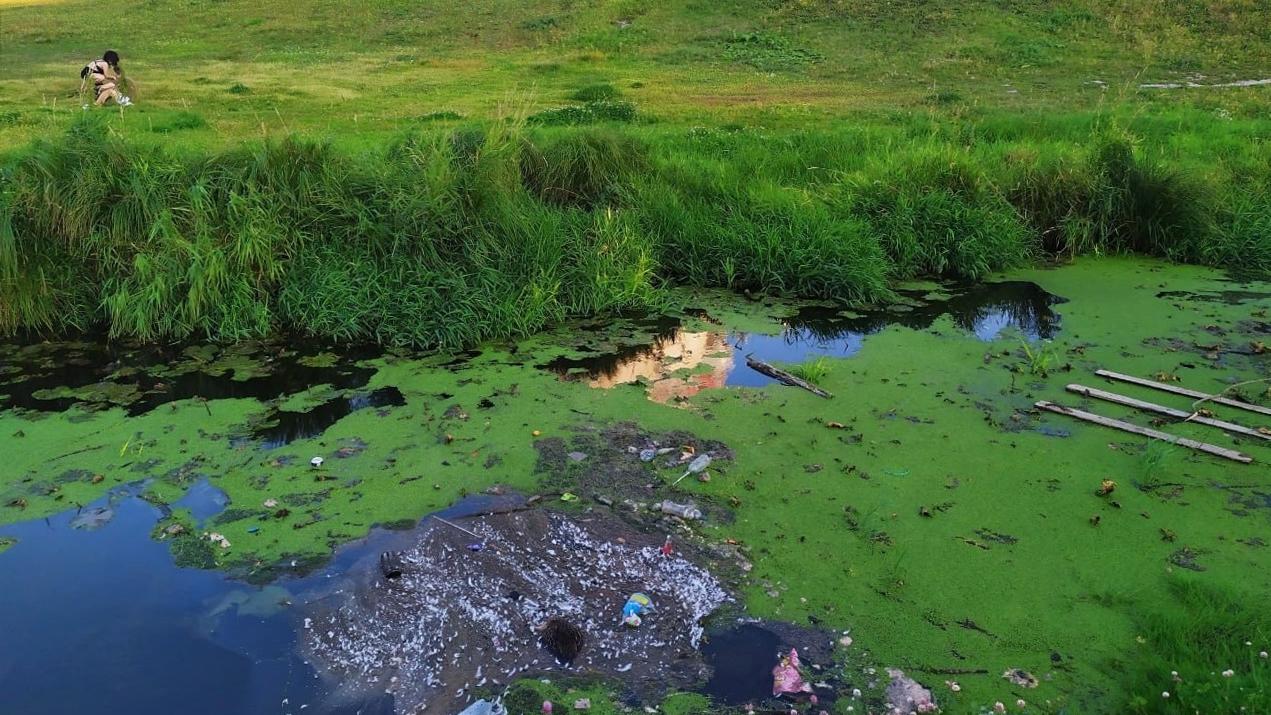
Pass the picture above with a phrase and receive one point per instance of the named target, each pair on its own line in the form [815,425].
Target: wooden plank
[783,376]
[1163,410]
[1144,431]
[1177,390]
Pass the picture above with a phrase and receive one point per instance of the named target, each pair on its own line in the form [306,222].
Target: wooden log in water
[1178,390]
[1144,431]
[783,376]
[1169,411]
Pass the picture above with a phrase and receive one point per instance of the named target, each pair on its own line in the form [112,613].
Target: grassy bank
[449,236]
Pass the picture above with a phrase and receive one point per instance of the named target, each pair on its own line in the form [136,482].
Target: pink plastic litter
[786,677]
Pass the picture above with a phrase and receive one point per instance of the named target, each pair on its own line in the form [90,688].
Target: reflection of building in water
[702,360]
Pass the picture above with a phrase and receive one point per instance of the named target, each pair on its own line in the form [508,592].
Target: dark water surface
[287,426]
[742,659]
[35,374]
[108,624]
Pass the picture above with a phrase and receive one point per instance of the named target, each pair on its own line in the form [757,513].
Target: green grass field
[357,71]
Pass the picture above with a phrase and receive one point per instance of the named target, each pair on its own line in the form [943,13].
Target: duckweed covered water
[926,507]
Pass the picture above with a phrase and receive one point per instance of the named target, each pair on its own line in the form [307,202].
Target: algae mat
[927,507]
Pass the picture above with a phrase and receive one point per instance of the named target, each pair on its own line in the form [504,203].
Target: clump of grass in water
[814,371]
[1153,459]
[1040,359]
[1207,650]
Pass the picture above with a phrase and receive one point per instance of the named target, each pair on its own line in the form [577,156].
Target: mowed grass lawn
[210,73]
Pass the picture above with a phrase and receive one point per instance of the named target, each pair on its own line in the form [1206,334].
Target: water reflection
[677,363]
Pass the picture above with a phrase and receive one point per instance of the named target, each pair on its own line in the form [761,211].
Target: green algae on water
[943,515]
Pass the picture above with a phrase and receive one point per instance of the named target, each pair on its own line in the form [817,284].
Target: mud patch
[462,617]
[619,464]
[1188,558]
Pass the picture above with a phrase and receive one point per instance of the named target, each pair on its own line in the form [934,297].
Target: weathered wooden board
[1178,390]
[1144,431]
[1169,411]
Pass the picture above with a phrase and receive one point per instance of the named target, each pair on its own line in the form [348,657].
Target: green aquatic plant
[814,371]
[1153,459]
[1039,359]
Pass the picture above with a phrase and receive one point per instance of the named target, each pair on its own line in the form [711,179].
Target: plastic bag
[786,677]
[637,605]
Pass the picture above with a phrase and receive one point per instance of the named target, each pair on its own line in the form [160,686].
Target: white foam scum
[448,625]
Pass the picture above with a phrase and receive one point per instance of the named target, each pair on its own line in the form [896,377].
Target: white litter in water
[455,616]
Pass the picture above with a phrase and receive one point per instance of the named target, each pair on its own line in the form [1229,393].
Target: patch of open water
[678,363]
[53,376]
[109,624]
[742,658]
[285,426]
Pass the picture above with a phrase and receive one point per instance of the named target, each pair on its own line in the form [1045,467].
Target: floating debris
[684,511]
[93,518]
[698,465]
[904,694]
[218,539]
[391,565]
[786,677]
[450,614]
[1022,678]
